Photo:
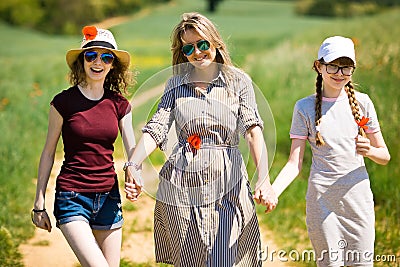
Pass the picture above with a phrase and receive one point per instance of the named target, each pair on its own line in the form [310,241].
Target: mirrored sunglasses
[202,45]
[91,56]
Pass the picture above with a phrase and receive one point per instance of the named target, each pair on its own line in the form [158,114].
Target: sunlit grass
[265,38]
[377,74]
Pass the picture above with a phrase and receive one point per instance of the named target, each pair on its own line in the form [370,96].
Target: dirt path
[51,249]
[48,249]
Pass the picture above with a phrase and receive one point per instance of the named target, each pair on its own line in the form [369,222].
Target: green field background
[267,40]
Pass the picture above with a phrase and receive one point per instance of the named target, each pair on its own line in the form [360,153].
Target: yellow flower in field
[36,90]
[4,102]
[356,41]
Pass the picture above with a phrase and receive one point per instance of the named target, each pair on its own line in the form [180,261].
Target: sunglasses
[202,45]
[333,69]
[91,56]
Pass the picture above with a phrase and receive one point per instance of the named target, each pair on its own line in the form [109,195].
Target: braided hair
[355,107]
[349,87]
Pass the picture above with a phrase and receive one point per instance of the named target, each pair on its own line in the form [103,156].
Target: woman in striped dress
[204,213]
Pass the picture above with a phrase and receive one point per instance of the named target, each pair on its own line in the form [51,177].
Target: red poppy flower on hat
[362,123]
[195,141]
[89,32]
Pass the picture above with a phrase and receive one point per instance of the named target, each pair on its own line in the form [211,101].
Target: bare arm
[144,148]
[41,219]
[133,180]
[373,147]
[292,168]
[128,136]
[263,192]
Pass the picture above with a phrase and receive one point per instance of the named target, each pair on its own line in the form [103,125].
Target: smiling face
[333,83]
[199,58]
[97,70]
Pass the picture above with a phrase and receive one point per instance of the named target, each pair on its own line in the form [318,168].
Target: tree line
[343,8]
[66,16]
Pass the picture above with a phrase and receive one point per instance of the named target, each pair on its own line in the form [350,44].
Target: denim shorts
[102,211]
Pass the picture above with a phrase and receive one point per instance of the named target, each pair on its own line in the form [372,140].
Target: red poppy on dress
[362,123]
[195,141]
[89,32]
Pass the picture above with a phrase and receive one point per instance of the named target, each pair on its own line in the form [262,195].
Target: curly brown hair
[118,79]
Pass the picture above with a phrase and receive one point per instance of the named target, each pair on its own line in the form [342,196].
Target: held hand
[41,220]
[265,195]
[132,191]
[363,146]
[133,184]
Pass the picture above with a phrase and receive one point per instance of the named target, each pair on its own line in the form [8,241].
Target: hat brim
[333,56]
[122,55]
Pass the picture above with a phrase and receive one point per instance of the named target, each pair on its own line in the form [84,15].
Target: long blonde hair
[349,87]
[205,28]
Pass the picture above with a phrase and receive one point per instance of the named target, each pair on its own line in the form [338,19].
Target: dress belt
[212,146]
[218,146]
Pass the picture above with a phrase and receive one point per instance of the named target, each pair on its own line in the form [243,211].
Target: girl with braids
[341,127]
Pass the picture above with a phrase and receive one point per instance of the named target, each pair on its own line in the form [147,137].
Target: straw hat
[98,38]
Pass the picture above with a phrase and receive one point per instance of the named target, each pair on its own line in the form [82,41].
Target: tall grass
[377,74]
[274,46]
[30,66]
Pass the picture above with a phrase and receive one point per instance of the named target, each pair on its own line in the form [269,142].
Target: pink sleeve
[293,136]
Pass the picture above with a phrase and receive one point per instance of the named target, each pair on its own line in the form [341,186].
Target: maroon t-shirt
[89,131]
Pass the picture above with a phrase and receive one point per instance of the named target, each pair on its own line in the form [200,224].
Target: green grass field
[265,38]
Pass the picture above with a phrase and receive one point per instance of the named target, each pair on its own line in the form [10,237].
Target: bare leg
[110,243]
[82,241]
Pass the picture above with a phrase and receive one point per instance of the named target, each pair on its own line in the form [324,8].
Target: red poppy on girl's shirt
[362,123]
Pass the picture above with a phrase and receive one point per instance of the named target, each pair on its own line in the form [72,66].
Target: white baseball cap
[335,47]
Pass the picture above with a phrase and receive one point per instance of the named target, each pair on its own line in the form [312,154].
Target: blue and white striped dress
[204,213]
